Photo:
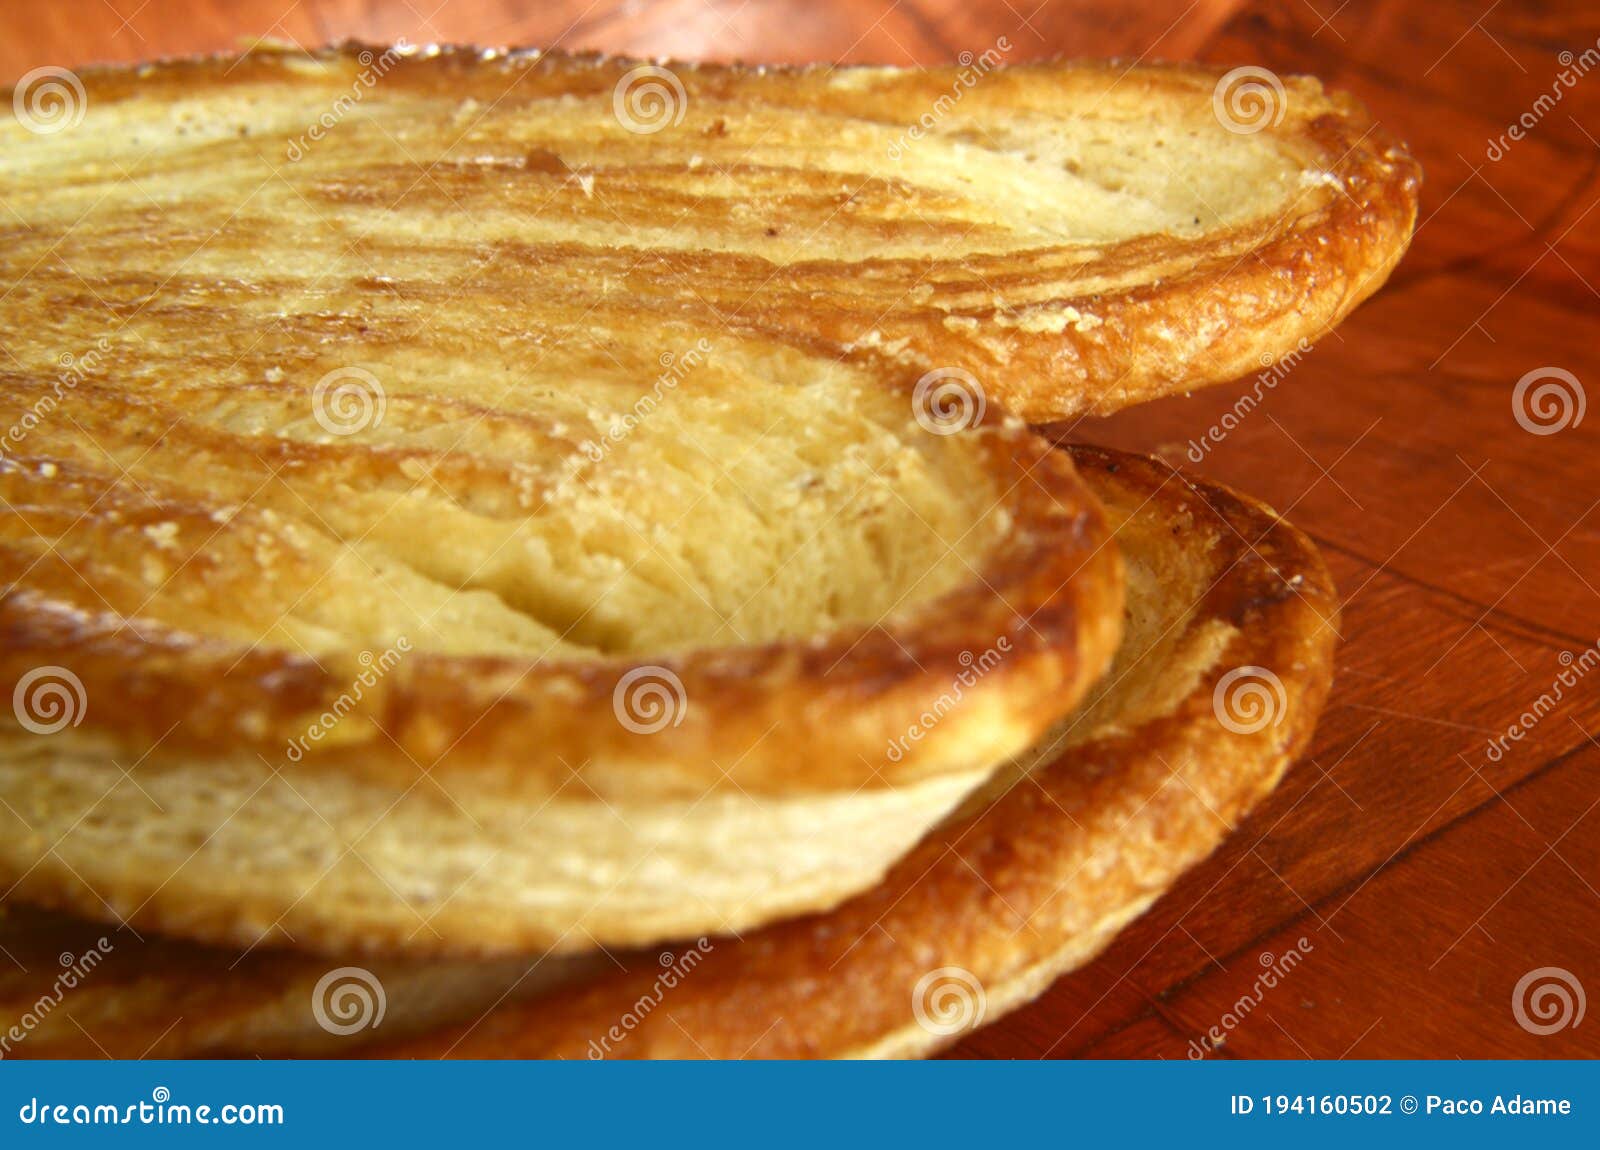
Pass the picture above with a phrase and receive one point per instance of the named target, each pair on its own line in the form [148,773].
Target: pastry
[1215,689]
[1232,623]
[1070,237]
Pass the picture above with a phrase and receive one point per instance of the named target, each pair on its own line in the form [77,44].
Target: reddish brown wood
[1426,878]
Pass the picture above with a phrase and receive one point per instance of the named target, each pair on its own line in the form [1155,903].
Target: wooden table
[1426,877]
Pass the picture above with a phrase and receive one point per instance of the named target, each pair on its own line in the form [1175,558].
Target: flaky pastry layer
[1226,664]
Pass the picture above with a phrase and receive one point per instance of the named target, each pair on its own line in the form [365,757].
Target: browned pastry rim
[1047,588]
[592,833]
[211,561]
[1031,884]
[1052,331]
[1001,893]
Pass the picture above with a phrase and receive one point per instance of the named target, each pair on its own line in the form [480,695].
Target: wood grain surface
[1419,876]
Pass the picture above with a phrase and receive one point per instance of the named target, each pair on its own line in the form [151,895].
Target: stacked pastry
[529,555]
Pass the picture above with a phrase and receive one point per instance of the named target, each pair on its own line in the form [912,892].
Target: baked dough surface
[416,576]
[670,691]
[1079,236]
[1228,658]
[1029,879]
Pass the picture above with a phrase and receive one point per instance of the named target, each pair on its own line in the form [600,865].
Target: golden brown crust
[550,822]
[1041,878]
[873,208]
[1148,782]
[1047,587]
[529,518]
[624,608]
[1047,329]
[185,509]
[1056,306]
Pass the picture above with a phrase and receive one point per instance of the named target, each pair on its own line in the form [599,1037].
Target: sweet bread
[1030,878]
[1071,237]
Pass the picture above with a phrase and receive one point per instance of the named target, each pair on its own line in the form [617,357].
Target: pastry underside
[1226,661]
[1076,236]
